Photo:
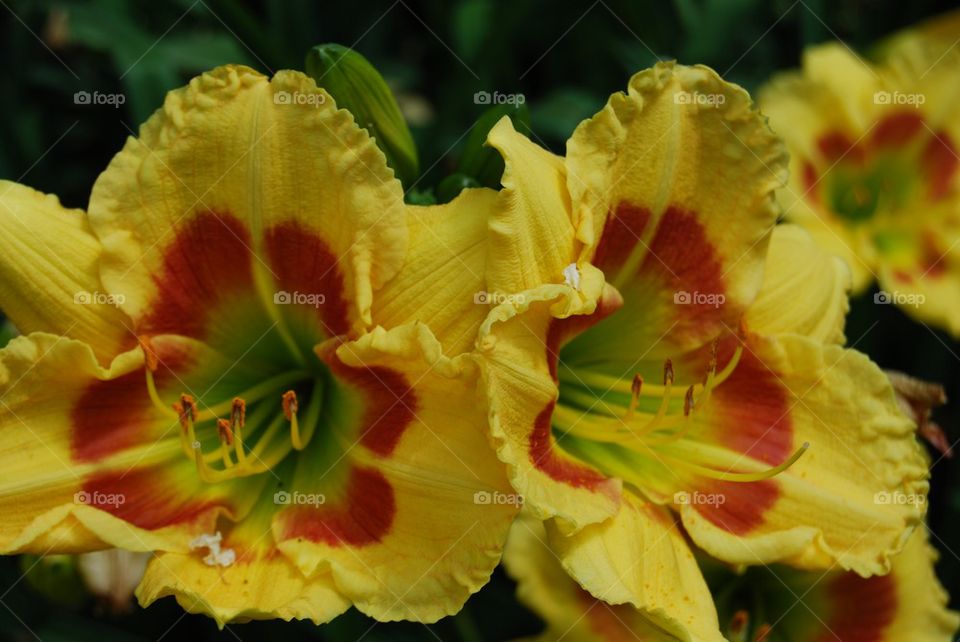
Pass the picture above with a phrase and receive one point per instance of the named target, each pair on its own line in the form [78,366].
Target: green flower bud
[484,163]
[359,88]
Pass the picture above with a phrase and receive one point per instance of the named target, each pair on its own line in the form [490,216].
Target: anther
[238,419]
[635,387]
[688,402]
[290,412]
[762,632]
[224,432]
[149,354]
[668,372]
[739,622]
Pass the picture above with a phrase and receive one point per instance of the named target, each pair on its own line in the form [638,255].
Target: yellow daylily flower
[875,165]
[769,604]
[230,361]
[659,349]
[780,604]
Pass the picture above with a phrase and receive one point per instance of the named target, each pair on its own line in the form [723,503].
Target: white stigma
[571,276]
[216,556]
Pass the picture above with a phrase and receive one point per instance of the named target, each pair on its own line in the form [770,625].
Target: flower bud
[358,87]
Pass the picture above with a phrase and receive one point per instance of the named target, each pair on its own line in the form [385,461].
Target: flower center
[225,441]
[609,421]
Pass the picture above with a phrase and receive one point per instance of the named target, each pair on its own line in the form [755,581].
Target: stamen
[763,631]
[290,407]
[636,386]
[688,402]
[149,354]
[238,419]
[226,440]
[724,475]
[739,621]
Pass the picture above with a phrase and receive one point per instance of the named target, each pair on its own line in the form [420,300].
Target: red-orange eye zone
[232,374]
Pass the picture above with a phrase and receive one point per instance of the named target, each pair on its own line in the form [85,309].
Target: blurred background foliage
[564,57]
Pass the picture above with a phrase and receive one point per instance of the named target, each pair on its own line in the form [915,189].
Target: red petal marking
[208,260]
[836,145]
[932,262]
[744,504]
[622,231]
[304,263]
[150,498]
[896,129]
[940,163]
[862,608]
[546,458]
[752,408]
[391,403]
[111,416]
[810,179]
[363,516]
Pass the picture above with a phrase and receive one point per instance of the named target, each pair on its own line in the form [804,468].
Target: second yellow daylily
[248,358]
[660,350]
[875,165]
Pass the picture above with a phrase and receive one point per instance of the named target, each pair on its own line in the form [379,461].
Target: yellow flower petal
[640,557]
[424,512]
[531,238]
[804,289]
[655,179]
[87,463]
[238,169]
[570,612]
[442,282]
[48,273]
[851,499]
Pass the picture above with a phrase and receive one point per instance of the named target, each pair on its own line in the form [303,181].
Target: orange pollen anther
[181,415]
[289,404]
[224,432]
[188,407]
[738,623]
[238,413]
[688,402]
[762,632]
[668,372]
[149,354]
